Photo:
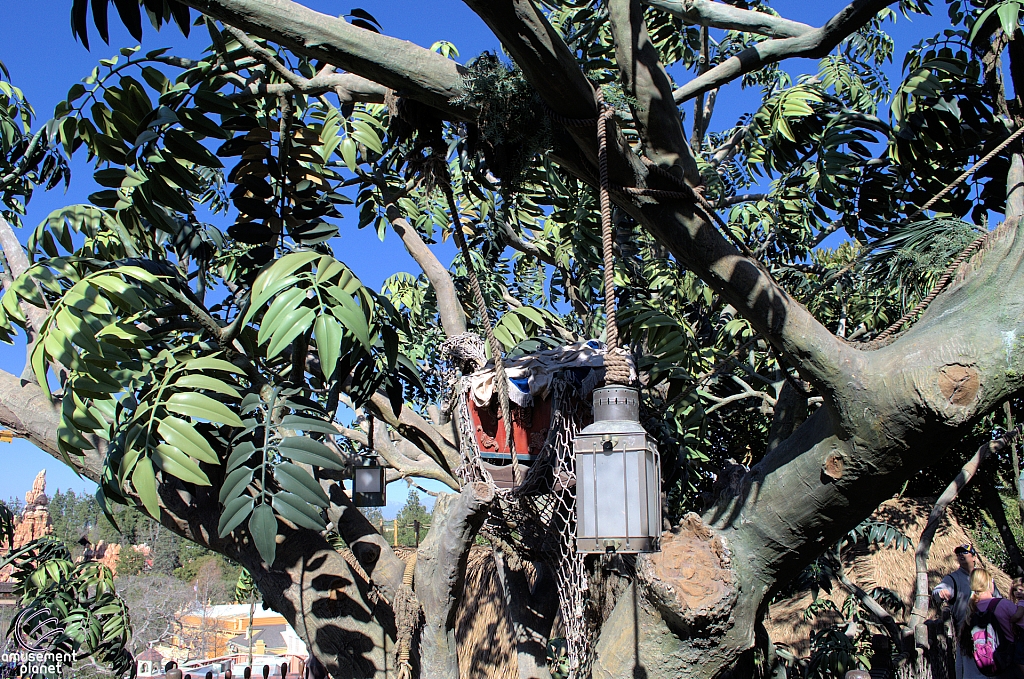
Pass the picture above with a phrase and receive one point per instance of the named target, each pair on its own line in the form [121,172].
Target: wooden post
[395,527]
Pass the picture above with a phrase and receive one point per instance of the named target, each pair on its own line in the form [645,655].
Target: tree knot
[959,384]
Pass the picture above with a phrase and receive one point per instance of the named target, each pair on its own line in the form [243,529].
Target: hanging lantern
[369,487]
[618,478]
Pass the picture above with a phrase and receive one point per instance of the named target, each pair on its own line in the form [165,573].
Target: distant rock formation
[34,522]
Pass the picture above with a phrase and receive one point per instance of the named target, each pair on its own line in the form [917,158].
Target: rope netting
[537,519]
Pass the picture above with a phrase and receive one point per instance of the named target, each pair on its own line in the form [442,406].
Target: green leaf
[307,451]
[307,424]
[348,153]
[290,326]
[235,484]
[144,480]
[980,23]
[263,528]
[202,407]
[282,268]
[210,363]
[298,512]
[364,134]
[351,316]
[184,146]
[297,480]
[179,465]
[327,333]
[285,303]
[235,512]
[1008,16]
[184,437]
[241,454]
[208,383]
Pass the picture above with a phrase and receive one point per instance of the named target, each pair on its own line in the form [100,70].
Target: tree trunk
[531,611]
[994,503]
[441,574]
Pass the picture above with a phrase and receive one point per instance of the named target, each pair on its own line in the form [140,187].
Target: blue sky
[45,62]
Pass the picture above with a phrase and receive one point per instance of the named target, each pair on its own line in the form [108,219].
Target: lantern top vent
[616,403]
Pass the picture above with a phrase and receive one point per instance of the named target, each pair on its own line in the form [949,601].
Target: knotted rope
[500,379]
[407,618]
[616,366]
[616,369]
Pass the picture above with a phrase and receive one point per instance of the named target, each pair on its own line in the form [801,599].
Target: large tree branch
[396,64]
[416,429]
[549,65]
[814,44]
[531,610]
[371,550]
[645,80]
[18,261]
[441,573]
[727,17]
[348,87]
[538,49]
[453,317]
[403,461]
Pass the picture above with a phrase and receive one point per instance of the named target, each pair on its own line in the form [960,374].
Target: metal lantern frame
[369,483]
[618,478]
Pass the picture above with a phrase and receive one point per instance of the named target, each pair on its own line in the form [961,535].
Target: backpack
[993,652]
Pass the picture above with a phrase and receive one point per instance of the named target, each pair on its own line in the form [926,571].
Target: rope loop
[616,367]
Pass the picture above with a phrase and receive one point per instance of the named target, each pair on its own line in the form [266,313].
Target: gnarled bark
[441,574]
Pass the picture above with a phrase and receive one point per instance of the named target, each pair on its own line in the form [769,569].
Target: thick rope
[687,192]
[500,379]
[616,369]
[948,273]
[690,193]
[407,615]
[939,287]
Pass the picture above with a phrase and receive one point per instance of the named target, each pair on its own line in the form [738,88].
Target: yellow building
[206,632]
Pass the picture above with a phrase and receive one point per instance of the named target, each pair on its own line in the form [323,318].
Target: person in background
[955,591]
[209,675]
[266,672]
[1006,614]
[227,674]
[247,673]
[1017,591]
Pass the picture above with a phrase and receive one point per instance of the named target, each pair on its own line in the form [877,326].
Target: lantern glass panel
[618,481]
[368,479]
[368,486]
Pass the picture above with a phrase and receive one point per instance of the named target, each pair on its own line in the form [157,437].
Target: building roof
[272,636]
[150,654]
[232,612]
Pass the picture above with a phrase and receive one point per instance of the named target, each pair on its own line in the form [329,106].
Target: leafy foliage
[72,606]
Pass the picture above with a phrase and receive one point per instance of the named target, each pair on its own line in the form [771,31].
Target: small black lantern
[618,478]
[369,486]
